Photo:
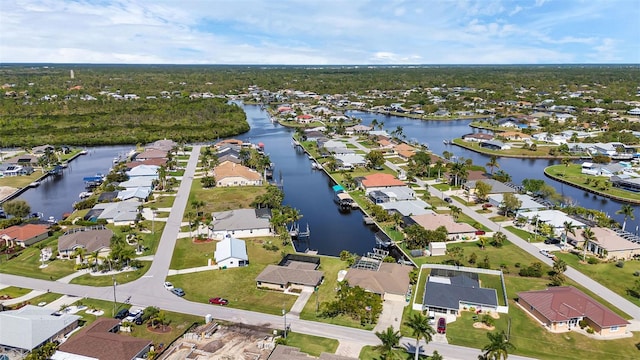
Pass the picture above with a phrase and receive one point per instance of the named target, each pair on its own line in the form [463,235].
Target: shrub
[620,264]
[592,260]
[582,324]
[590,330]
[637,273]
[517,265]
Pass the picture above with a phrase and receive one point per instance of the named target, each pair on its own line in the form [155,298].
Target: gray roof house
[231,252]
[241,223]
[497,187]
[282,277]
[451,294]
[31,326]
[408,207]
[118,213]
[91,239]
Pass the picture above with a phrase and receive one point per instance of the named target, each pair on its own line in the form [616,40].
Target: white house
[231,252]
[241,223]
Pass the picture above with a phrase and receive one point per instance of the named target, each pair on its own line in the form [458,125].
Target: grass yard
[224,198]
[28,261]
[499,218]
[19,181]
[238,284]
[493,281]
[106,306]
[608,274]
[524,234]
[161,202]
[188,254]
[533,340]
[179,323]
[326,292]
[107,280]
[14,292]
[573,174]
[312,345]
[44,298]
[540,152]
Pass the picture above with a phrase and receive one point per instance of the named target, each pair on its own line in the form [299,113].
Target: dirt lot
[6,191]
[237,342]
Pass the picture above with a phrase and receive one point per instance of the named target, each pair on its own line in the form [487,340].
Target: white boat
[85,194]
[52,220]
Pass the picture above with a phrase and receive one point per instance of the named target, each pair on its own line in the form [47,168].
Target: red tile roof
[96,341]
[566,302]
[380,180]
[24,232]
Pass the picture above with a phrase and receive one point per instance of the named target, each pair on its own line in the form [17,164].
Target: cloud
[314,32]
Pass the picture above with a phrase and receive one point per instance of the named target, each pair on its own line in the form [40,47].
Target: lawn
[573,174]
[531,339]
[326,292]
[107,280]
[28,261]
[106,306]
[224,198]
[312,345]
[524,234]
[188,254]
[541,151]
[608,274]
[238,284]
[44,298]
[14,292]
[161,202]
[19,181]
[178,323]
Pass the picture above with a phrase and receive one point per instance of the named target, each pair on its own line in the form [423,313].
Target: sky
[320,32]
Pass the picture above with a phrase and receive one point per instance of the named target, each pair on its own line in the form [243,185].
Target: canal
[434,132]
[309,190]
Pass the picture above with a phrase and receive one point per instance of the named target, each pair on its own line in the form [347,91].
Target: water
[434,132]
[310,190]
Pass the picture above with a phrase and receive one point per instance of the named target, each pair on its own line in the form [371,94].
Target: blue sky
[322,32]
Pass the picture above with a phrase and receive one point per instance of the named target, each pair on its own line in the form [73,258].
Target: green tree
[375,159]
[499,346]
[455,212]
[390,340]
[498,239]
[510,204]
[482,190]
[627,211]
[420,329]
[589,237]
[493,163]
[18,208]
[568,227]
[456,253]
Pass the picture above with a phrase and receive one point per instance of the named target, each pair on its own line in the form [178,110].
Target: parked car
[486,206]
[168,286]
[480,232]
[448,199]
[546,253]
[178,291]
[218,301]
[442,325]
[552,241]
[122,314]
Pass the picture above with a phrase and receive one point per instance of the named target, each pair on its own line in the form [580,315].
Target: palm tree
[627,211]
[95,256]
[566,162]
[499,346]
[80,252]
[162,176]
[493,163]
[588,236]
[420,328]
[390,339]
[455,212]
[559,265]
[568,228]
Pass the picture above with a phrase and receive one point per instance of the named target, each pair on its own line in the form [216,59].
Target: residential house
[358,129]
[379,181]
[305,118]
[42,149]
[495,145]
[404,151]
[242,223]
[89,238]
[407,207]
[117,213]
[398,193]
[231,174]
[138,182]
[139,193]
[24,235]
[527,202]
[295,271]
[456,230]
[101,340]
[31,326]
[15,170]
[497,187]
[560,309]
[231,252]
[515,136]
[477,137]
[389,280]
[554,218]
[449,292]
[607,244]
[151,154]
[150,171]
[25,160]
[350,161]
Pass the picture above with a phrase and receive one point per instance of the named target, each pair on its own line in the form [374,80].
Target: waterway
[434,132]
[309,190]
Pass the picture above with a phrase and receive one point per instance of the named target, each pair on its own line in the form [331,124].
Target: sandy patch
[495,315]
[6,191]
[479,325]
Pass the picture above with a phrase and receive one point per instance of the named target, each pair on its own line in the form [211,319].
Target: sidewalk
[22,298]
[192,270]
[301,301]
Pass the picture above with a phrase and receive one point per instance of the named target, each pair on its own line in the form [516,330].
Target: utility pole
[284,313]
[114,294]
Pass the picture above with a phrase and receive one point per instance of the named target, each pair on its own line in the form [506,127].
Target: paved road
[616,300]
[149,290]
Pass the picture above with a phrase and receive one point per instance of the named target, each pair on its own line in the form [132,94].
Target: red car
[442,326]
[218,301]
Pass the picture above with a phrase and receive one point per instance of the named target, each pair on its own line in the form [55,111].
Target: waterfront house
[625,182]
[231,174]
[295,271]
[455,230]
[23,160]
[163,145]
[449,292]
[554,218]
[241,223]
[150,171]
[560,309]
[350,161]
[477,137]
[358,129]
[151,154]
[607,244]
[89,238]
[139,193]
[379,181]
[42,149]
[15,170]
[138,182]
[495,145]
[117,213]
[30,327]
[101,340]
[407,207]
[398,193]
[389,280]
[231,252]
[24,235]
[497,187]
[526,201]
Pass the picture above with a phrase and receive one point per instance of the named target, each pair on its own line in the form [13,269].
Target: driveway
[391,315]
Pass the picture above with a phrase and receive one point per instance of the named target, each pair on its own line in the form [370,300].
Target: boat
[368,220]
[316,166]
[446,142]
[52,220]
[382,239]
[84,152]
[34,184]
[85,194]
[343,199]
